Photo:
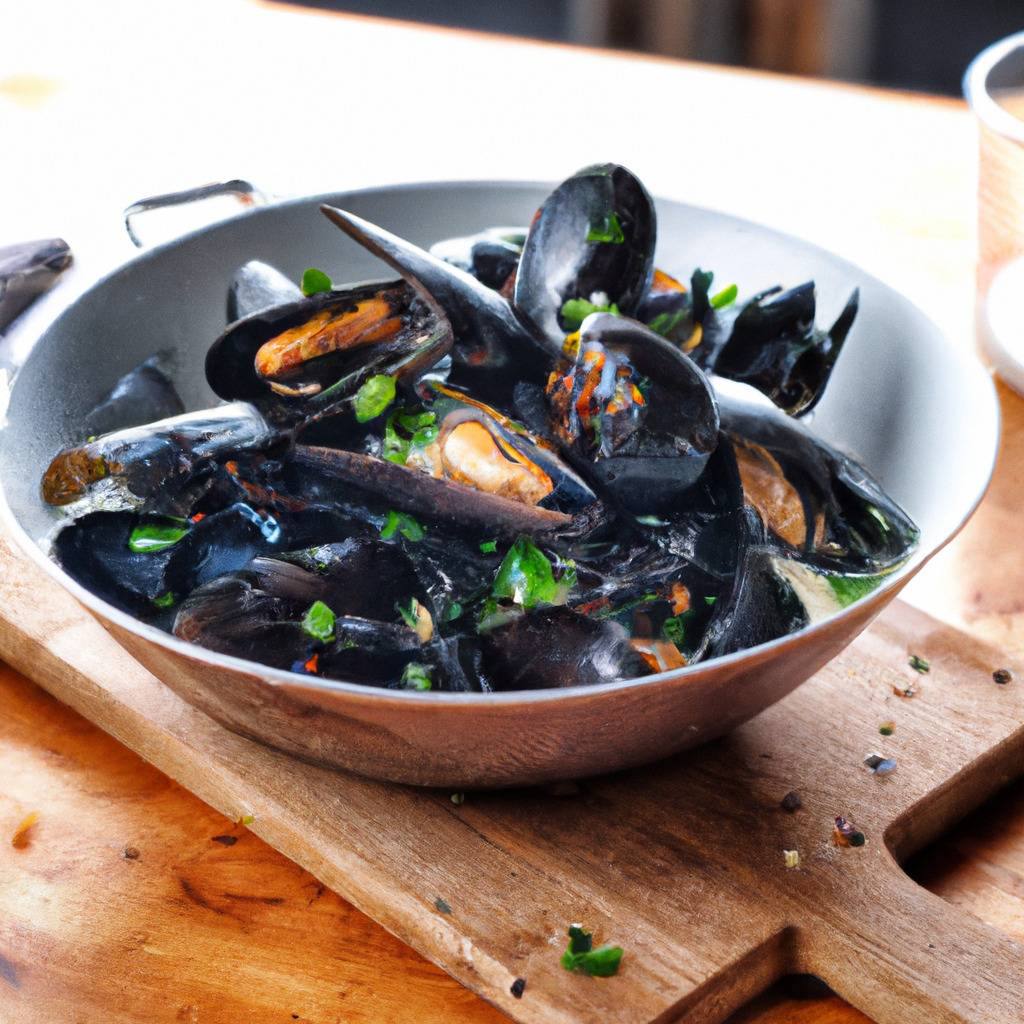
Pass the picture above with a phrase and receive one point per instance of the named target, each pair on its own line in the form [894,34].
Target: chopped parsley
[918,664]
[488,547]
[725,297]
[405,430]
[157,535]
[710,599]
[848,589]
[575,311]
[408,612]
[374,397]
[452,612]
[665,323]
[674,628]
[416,677]
[318,622]
[609,231]
[164,600]
[580,955]
[401,522]
[526,577]
[314,282]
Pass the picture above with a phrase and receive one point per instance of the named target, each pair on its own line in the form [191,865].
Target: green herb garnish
[314,282]
[318,622]
[374,397]
[674,628]
[918,664]
[452,612]
[150,537]
[416,677]
[710,599]
[887,728]
[164,600]
[580,955]
[665,323]
[526,578]
[575,311]
[724,297]
[405,430]
[848,589]
[488,547]
[406,525]
[408,612]
[609,231]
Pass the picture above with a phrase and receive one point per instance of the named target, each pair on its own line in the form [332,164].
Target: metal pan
[918,411]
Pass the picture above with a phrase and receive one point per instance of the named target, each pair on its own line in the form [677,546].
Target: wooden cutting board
[680,863]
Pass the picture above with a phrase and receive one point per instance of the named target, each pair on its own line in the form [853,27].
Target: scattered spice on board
[791,802]
[880,765]
[245,819]
[791,858]
[224,840]
[905,691]
[518,988]
[580,954]
[1002,676]
[20,838]
[442,905]
[130,853]
[918,664]
[458,799]
[847,834]
[887,728]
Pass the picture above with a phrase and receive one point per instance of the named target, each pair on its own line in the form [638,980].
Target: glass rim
[977,93]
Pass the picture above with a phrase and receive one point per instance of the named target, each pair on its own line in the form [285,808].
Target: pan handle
[246,193]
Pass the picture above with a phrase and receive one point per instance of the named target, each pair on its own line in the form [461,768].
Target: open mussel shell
[146,465]
[815,501]
[490,256]
[592,239]
[775,347]
[491,346]
[257,286]
[645,449]
[308,358]
[557,647]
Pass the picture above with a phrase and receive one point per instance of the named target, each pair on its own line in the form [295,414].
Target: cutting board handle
[921,961]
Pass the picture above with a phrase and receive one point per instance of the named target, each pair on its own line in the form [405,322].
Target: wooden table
[110,905]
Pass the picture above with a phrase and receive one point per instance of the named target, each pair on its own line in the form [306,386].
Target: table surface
[102,916]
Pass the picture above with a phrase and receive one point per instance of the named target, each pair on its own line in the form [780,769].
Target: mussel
[147,465]
[308,358]
[142,395]
[257,286]
[27,270]
[592,242]
[635,414]
[491,256]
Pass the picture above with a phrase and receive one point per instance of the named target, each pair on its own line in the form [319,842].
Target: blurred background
[910,44]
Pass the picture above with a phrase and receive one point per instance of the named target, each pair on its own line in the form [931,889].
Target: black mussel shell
[654,445]
[257,286]
[775,347]
[557,647]
[490,256]
[817,502]
[593,239]
[148,464]
[308,358]
[142,395]
[491,348]
[27,270]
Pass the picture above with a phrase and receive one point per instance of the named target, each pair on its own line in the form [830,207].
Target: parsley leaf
[164,600]
[488,547]
[319,622]
[405,430]
[315,281]
[724,297]
[848,589]
[416,677]
[665,323]
[609,231]
[674,629]
[406,525]
[526,578]
[580,955]
[575,311]
[374,397]
[156,535]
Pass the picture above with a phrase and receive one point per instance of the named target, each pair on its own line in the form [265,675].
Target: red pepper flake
[313,664]
[907,691]
[232,467]
[198,517]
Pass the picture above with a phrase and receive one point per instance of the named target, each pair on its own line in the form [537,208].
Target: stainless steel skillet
[916,409]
